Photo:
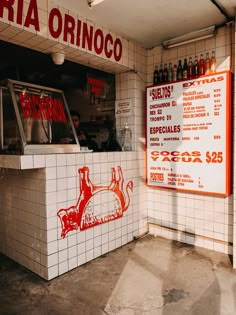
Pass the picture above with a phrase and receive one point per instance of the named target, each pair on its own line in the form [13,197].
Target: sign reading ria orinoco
[62,25]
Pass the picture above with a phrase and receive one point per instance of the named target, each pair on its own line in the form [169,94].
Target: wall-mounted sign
[62,25]
[96,86]
[123,108]
[188,134]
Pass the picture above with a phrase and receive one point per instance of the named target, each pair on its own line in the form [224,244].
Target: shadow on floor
[150,276]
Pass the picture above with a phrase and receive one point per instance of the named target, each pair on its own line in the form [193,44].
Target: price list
[188,134]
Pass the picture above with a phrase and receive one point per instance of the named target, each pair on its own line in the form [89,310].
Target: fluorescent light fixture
[190,37]
[92,3]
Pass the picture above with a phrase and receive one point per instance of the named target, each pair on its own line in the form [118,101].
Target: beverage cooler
[34,120]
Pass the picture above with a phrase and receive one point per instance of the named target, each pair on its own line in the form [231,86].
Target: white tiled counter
[33,189]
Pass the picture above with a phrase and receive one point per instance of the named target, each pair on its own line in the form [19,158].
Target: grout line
[190,234]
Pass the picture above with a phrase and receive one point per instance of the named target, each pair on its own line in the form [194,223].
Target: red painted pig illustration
[96,204]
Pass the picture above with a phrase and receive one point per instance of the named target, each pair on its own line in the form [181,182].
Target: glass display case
[35,120]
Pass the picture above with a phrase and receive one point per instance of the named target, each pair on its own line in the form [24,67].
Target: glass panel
[11,143]
[43,114]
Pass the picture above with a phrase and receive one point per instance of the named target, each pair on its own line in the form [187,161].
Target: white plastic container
[126,138]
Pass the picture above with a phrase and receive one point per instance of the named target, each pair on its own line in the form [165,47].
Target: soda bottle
[160,74]
[185,69]
[201,65]
[213,62]
[179,71]
[174,71]
[165,73]
[190,68]
[170,73]
[156,75]
[207,64]
[195,67]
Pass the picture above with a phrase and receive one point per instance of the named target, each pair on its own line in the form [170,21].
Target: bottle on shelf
[190,68]
[179,71]
[170,73]
[207,64]
[160,74]
[165,73]
[185,69]
[213,62]
[174,71]
[156,75]
[195,67]
[201,65]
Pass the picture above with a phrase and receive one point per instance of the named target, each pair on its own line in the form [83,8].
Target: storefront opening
[89,92]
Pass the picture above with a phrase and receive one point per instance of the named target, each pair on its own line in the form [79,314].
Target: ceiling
[150,22]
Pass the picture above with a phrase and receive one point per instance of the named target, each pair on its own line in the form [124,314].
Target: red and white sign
[188,134]
[42,107]
[62,25]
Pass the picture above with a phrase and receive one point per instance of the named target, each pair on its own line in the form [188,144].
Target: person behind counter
[83,137]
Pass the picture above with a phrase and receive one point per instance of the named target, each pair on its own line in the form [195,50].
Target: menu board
[188,128]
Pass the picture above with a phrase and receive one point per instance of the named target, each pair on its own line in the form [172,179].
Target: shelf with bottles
[186,70]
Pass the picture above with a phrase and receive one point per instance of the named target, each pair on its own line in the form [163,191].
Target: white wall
[205,221]
[30,230]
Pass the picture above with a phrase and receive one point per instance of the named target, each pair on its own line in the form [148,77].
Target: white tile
[51,223]
[89,245]
[27,162]
[105,248]
[97,251]
[73,263]
[63,255]
[81,248]
[60,196]
[51,160]
[72,240]
[51,173]
[89,234]
[52,260]
[51,198]
[89,255]
[63,267]
[53,272]
[81,259]
[51,185]
[70,159]
[61,159]
[61,184]
[52,247]
[81,237]
[71,171]
[72,252]
[52,235]
[39,161]
[61,172]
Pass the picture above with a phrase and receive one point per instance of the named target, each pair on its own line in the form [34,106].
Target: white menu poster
[188,128]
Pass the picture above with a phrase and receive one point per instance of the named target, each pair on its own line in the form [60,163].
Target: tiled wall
[205,221]
[29,199]
[131,85]
[30,230]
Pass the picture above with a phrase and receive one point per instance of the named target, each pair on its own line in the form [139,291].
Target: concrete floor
[150,276]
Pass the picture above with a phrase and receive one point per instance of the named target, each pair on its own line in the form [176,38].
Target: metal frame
[41,148]
[1,118]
